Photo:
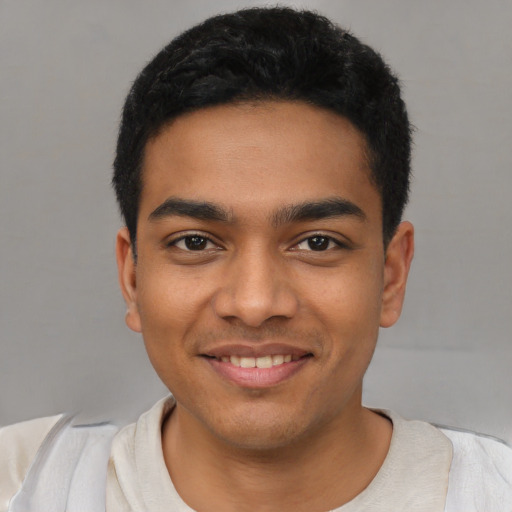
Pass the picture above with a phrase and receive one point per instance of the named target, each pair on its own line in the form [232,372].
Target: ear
[126,271]
[399,255]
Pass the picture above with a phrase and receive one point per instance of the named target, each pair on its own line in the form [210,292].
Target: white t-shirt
[425,470]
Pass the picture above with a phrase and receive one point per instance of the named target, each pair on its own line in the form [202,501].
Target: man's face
[261,277]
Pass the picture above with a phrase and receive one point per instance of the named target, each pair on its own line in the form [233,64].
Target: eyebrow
[317,210]
[201,210]
[306,211]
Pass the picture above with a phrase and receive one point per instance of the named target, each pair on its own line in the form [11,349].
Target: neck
[320,471]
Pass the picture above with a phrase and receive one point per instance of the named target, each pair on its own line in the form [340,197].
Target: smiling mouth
[259,362]
[257,372]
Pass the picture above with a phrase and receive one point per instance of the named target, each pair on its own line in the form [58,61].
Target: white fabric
[419,473]
[480,474]
[137,478]
[18,446]
[68,473]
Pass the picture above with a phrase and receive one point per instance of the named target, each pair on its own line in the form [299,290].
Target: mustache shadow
[271,331]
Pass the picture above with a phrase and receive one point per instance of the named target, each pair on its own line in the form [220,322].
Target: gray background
[65,67]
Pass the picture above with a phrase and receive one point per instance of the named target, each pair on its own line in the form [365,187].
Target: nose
[256,288]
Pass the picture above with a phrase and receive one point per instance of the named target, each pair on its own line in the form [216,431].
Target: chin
[259,431]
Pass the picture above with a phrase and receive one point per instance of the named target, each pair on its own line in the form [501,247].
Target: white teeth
[277,360]
[259,362]
[247,362]
[264,362]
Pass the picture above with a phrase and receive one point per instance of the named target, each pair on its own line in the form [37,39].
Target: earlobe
[399,255]
[126,270]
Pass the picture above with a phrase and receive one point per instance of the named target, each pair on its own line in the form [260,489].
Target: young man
[262,169]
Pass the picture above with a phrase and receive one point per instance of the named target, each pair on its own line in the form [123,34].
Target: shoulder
[481,473]
[50,460]
[480,455]
[18,447]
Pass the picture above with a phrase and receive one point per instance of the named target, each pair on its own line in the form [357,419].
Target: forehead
[250,157]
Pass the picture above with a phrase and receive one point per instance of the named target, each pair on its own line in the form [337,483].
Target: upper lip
[251,350]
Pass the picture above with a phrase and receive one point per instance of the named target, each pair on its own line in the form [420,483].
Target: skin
[305,442]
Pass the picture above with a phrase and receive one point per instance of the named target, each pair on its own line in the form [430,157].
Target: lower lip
[257,378]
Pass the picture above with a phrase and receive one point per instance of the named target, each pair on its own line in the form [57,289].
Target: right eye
[193,243]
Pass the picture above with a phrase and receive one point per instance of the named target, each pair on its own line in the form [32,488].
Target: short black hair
[267,54]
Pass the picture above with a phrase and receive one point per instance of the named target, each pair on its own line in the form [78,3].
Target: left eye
[317,243]
[193,243]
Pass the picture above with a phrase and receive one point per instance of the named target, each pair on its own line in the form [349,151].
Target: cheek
[348,307]
[348,300]
[165,318]
[170,307]
[171,299]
